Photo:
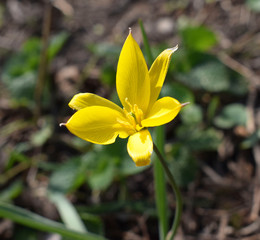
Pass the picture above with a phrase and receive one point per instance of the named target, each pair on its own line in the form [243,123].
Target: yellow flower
[100,121]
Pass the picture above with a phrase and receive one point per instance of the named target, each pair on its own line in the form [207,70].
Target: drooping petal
[158,72]
[140,147]
[132,78]
[98,124]
[82,100]
[163,111]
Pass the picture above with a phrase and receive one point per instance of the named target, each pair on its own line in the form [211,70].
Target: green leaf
[108,75]
[104,49]
[14,157]
[20,71]
[178,91]
[183,165]
[231,116]
[38,138]
[253,5]
[102,177]
[127,167]
[252,140]
[56,43]
[93,222]
[68,176]
[13,191]
[198,38]
[212,108]
[210,76]
[198,139]
[35,221]
[191,114]
[68,213]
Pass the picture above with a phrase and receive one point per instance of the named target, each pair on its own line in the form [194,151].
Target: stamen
[127,126]
[138,114]
[130,118]
[129,104]
[133,114]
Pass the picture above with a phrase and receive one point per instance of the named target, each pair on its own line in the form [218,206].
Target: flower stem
[178,209]
[160,186]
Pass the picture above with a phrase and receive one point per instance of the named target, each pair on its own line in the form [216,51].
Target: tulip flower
[101,121]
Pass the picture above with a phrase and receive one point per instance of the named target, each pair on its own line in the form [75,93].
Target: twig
[43,59]
[250,229]
[240,68]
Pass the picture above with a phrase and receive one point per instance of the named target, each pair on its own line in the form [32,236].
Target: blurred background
[51,50]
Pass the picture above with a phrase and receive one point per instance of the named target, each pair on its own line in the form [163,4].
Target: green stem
[146,44]
[159,175]
[160,187]
[178,209]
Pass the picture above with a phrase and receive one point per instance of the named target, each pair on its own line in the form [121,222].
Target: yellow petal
[132,79]
[158,72]
[98,124]
[140,147]
[82,100]
[163,111]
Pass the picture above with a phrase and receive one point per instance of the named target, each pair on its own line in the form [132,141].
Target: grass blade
[29,219]
[68,213]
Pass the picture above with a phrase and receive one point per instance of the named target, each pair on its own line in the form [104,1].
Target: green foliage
[210,76]
[67,211]
[40,137]
[108,75]
[213,76]
[196,68]
[193,73]
[212,108]
[22,232]
[20,71]
[253,5]
[11,192]
[98,168]
[35,221]
[94,223]
[56,44]
[198,38]
[68,176]
[178,91]
[183,165]
[199,139]
[192,114]
[107,163]
[106,50]
[252,140]
[231,116]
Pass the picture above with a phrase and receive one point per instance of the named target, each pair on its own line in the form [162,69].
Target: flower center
[134,115]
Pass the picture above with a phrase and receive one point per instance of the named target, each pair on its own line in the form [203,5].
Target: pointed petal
[140,147]
[98,124]
[163,111]
[158,72]
[82,100]
[132,79]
